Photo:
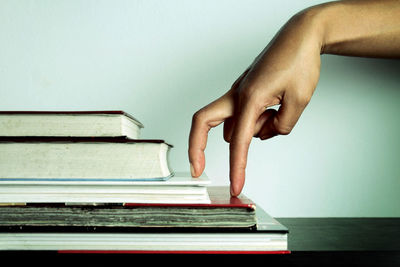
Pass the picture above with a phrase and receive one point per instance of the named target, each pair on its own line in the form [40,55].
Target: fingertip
[197,166]
[237,182]
[235,190]
[237,172]
[195,172]
[192,171]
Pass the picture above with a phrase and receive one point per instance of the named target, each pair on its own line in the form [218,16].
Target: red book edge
[220,198]
[172,252]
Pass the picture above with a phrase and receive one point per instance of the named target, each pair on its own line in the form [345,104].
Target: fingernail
[192,170]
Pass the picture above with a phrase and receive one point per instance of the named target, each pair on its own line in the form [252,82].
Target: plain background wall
[163,60]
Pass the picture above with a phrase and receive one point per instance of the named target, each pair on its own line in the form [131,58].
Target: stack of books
[84,182]
[84,157]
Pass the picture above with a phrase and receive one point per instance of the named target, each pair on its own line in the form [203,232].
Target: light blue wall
[163,60]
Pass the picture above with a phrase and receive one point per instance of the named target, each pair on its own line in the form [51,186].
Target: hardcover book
[221,211]
[69,123]
[256,241]
[266,235]
[83,159]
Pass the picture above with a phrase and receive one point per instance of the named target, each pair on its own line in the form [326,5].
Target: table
[312,242]
[339,241]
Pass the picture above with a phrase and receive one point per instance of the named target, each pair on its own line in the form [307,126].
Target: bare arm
[286,73]
[361,28]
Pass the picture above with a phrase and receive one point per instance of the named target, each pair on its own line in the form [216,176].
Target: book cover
[69,123]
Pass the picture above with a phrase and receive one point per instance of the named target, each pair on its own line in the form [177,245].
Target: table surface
[312,242]
[343,234]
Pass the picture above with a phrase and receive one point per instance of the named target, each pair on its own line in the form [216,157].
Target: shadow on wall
[386,70]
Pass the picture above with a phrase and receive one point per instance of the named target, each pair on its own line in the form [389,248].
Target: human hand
[286,74]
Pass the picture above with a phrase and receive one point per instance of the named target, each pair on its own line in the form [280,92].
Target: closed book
[179,188]
[265,237]
[258,241]
[69,123]
[221,212]
[83,159]
[216,242]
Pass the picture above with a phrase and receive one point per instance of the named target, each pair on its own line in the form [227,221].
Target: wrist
[357,28]
[321,16]
[312,22]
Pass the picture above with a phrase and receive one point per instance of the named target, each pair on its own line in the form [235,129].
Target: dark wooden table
[339,241]
[312,242]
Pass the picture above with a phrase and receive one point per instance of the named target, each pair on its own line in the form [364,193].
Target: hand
[286,74]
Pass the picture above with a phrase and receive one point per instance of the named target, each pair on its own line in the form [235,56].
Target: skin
[286,73]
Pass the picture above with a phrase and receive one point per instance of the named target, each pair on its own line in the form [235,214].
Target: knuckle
[253,97]
[283,129]
[199,116]
[227,137]
[228,129]
[303,98]
[249,93]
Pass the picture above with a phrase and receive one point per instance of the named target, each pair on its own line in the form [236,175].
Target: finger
[230,122]
[282,122]
[266,130]
[265,116]
[197,144]
[241,137]
[203,120]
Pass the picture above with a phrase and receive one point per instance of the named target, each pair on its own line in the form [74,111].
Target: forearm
[358,28]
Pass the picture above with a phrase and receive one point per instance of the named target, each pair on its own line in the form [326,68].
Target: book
[69,123]
[83,159]
[222,211]
[258,242]
[268,236]
[179,188]
[84,191]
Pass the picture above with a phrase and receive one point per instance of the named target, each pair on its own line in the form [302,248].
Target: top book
[69,123]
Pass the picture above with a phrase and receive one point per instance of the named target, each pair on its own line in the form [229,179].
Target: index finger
[203,120]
